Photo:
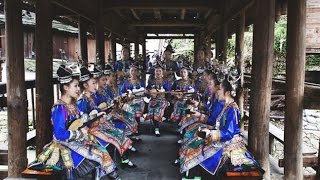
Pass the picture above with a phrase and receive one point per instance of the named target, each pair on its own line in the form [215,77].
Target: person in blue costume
[158,103]
[200,67]
[170,65]
[122,66]
[222,148]
[212,107]
[135,86]
[106,96]
[103,130]
[70,149]
[185,84]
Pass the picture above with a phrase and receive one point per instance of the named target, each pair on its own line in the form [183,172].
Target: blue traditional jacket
[183,85]
[62,116]
[127,85]
[214,108]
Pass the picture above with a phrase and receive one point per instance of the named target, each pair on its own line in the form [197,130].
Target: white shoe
[131,148]
[179,141]
[157,132]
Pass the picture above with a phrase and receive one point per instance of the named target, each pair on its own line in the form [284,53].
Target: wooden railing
[30,87]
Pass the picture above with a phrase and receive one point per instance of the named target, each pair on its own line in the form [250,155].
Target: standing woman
[103,130]
[70,150]
[158,102]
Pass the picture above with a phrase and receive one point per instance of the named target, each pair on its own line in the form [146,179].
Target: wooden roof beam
[166,23]
[157,14]
[164,4]
[183,14]
[207,14]
[211,29]
[87,10]
[135,15]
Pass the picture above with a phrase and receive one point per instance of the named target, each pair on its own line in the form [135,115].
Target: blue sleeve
[167,85]
[59,118]
[142,84]
[84,106]
[123,88]
[231,127]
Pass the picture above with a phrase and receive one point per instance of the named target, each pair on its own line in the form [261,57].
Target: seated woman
[209,105]
[222,147]
[71,150]
[103,130]
[107,97]
[156,87]
[184,84]
[136,87]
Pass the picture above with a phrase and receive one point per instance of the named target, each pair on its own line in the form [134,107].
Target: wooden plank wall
[313,26]
[69,43]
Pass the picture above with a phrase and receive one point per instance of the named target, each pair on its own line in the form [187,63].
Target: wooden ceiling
[132,18]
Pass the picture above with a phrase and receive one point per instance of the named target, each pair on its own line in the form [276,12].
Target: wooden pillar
[16,89]
[83,40]
[240,59]
[44,85]
[217,40]
[100,33]
[261,82]
[224,43]
[136,49]
[113,49]
[144,56]
[195,47]
[295,75]
[318,168]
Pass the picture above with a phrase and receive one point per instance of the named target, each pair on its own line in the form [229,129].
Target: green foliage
[183,47]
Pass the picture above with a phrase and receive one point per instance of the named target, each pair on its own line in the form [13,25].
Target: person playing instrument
[136,88]
[221,148]
[70,149]
[158,103]
[121,67]
[184,84]
[103,130]
[106,97]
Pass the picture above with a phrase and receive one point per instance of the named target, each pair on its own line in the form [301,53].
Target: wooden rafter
[119,13]
[164,4]
[228,18]
[157,14]
[183,14]
[135,15]
[167,23]
[207,13]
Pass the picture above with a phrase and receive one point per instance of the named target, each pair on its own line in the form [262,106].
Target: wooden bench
[251,175]
[45,175]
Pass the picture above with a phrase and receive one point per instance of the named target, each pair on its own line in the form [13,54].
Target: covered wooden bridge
[129,21]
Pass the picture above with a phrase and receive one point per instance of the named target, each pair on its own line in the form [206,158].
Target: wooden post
[16,89]
[44,85]
[100,33]
[240,59]
[195,48]
[224,43]
[261,82]
[83,41]
[224,34]
[295,75]
[113,49]
[318,168]
[217,41]
[144,56]
[136,49]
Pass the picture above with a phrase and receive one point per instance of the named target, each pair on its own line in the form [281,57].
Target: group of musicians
[100,111]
